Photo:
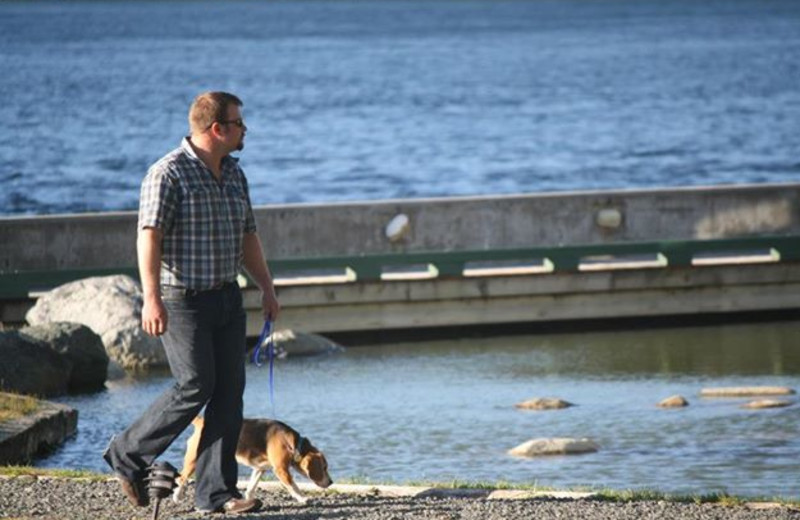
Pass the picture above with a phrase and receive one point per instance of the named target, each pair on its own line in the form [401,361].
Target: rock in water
[112,307]
[81,346]
[543,403]
[746,391]
[675,401]
[767,403]
[30,366]
[292,343]
[554,446]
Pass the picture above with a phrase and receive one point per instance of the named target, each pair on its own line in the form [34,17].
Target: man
[196,230]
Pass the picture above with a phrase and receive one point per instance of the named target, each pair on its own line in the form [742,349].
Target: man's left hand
[270,304]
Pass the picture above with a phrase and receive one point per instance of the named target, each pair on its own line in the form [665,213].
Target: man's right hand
[154,316]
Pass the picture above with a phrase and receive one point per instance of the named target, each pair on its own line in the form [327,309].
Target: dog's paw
[178,494]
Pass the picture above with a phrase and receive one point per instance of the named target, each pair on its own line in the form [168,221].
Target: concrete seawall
[601,255]
[107,240]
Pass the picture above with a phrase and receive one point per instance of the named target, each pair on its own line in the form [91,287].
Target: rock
[675,401]
[30,366]
[543,403]
[555,446]
[767,403]
[23,438]
[112,307]
[81,346]
[293,343]
[746,391]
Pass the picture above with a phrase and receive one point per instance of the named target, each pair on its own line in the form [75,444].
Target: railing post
[367,270]
[678,254]
[788,248]
[453,269]
[564,262]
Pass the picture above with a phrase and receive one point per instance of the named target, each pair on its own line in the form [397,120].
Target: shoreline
[35,493]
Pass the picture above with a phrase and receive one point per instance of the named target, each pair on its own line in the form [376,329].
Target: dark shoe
[234,506]
[135,491]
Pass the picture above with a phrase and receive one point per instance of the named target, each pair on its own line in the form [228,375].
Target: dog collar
[297,456]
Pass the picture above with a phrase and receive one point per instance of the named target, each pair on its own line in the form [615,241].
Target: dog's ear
[315,468]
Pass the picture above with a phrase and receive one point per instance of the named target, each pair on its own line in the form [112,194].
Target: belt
[218,286]
[194,292]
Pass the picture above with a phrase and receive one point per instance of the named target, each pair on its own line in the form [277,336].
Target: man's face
[233,131]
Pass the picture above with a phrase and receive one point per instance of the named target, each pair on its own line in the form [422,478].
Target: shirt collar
[188,150]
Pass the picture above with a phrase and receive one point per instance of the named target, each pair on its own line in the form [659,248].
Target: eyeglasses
[238,122]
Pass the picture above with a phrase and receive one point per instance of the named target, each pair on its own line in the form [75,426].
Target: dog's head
[314,466]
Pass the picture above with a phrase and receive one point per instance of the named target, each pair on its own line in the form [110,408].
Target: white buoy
[398,227]
[609,218]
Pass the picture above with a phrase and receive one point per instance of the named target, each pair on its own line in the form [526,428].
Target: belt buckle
[219,286]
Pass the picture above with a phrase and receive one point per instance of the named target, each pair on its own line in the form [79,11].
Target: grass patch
[14,406]
[22,471]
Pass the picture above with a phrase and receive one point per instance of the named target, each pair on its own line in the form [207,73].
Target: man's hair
[208,108]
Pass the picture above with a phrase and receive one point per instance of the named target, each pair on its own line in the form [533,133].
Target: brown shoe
[135,491]
[241,505]
[235,506]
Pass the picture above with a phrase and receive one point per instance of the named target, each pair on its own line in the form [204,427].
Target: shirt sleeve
[157,201]
[249,218]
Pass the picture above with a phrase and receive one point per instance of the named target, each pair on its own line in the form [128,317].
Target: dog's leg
[288,482]
[189,465]
[179,493]
[255,477]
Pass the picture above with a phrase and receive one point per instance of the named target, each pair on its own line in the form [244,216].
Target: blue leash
[266,337]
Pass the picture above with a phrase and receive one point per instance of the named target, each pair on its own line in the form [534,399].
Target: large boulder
[81,346]
[112,307]
[30,366]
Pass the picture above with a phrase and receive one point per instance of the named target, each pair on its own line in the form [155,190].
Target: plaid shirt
[203,220]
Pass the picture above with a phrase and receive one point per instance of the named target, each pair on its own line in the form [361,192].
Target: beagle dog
[264,444]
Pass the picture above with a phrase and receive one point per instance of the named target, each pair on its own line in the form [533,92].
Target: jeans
[205,347]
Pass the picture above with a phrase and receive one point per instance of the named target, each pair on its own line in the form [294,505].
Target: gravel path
[78,499]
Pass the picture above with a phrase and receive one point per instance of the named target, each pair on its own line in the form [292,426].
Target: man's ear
[215,129]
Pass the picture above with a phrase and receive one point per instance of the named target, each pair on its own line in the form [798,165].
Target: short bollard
[161,482]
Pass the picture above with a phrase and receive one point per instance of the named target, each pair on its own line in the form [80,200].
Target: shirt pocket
[237,204]
[200,205]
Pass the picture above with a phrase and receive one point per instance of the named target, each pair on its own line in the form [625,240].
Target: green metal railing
[452,264]
[559,259]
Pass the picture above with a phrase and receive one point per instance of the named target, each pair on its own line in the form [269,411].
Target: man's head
[218,113]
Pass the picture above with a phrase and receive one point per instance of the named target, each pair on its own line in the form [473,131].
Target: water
[444,410]
[349,99]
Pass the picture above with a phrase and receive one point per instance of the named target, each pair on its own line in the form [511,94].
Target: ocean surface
[444,411]
[377,99]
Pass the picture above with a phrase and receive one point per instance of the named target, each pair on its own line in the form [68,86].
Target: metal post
[161,482]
